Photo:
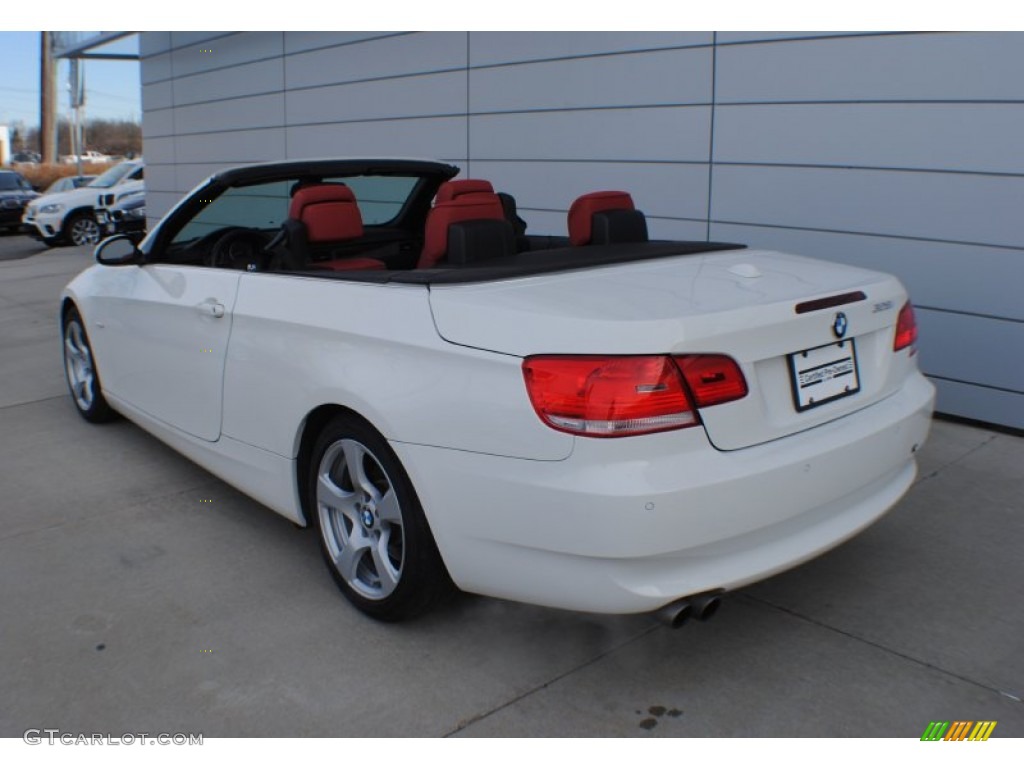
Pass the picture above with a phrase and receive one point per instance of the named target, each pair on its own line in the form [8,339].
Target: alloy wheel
[78,363]
[85,231]
[360,519]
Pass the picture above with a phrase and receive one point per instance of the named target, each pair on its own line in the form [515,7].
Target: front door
[163,336]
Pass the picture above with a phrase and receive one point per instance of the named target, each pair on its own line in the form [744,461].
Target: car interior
[464,231]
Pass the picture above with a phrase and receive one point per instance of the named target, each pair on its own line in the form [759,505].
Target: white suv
[70,217]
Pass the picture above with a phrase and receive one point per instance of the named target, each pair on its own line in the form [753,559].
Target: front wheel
[82,229]
[80,368]
[373,534]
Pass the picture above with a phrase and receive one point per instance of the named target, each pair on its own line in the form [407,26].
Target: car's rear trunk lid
[742,303]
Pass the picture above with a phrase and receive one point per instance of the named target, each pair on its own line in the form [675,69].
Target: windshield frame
[430,175]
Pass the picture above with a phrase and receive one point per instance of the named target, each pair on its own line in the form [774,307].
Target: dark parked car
[26,158]
[126,216]
[15,192]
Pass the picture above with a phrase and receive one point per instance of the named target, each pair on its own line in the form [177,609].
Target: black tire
[373,534]
[82,229]
[80,371]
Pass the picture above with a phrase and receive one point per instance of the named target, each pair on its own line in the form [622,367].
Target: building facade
[901,152]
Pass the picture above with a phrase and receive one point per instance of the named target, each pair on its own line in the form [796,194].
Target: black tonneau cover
[539,262]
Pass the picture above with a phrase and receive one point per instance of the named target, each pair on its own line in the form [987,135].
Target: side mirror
[117,251]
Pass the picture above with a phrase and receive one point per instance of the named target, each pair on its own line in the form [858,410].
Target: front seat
[602,218]
[466,208]
[322,215]
[452,190]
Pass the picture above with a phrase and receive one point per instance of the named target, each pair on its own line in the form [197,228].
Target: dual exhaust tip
[701,607]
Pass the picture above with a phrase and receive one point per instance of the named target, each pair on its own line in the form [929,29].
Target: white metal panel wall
[903,152]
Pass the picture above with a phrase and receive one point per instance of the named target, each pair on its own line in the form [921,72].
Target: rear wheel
[373,534]
[80,368]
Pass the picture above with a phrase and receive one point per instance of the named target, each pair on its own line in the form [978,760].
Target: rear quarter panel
[301,342]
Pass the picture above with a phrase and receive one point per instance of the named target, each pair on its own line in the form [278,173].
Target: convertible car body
[588,420]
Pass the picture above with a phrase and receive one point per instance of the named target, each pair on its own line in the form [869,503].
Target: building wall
[5,145]
[902,152]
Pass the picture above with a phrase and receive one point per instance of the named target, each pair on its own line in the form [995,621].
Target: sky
[112,87]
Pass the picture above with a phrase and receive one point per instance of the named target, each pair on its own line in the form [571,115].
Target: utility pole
[47,100]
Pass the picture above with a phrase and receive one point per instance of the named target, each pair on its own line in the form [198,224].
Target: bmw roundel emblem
[839,325]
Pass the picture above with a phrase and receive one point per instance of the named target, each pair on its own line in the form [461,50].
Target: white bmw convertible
[589,420]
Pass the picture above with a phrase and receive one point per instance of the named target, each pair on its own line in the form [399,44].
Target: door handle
[212,307]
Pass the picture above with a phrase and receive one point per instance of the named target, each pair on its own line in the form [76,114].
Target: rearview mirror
[116,251]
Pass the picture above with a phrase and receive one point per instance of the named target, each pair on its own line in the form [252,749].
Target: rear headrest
[467,207]
[582,210]
[452,189]
[329,212]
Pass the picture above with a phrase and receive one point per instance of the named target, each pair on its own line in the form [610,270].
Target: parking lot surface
[140,593]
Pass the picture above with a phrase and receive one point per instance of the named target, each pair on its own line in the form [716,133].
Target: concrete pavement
[130,603]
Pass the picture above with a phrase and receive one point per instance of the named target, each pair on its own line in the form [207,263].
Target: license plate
[824,374]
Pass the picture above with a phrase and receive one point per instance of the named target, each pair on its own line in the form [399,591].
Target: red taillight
[619,396]
[608,396]
[906,328]
[713,379]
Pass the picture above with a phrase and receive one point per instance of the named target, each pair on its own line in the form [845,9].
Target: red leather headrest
[452,189]
[585,206]
[329,212]
[467,207]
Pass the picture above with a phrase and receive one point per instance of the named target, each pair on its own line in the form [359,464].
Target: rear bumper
[628,525]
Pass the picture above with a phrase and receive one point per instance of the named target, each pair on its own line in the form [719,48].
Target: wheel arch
[72,214]
[305,438]
[66,305]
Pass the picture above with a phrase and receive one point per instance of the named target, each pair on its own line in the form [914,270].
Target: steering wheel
[240,249]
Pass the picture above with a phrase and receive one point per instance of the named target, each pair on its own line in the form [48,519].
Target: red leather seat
[329,212]
[453,189]
[326,213]
[582,211]
[468,206]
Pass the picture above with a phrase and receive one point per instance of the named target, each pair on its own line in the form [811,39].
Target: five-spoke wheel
[82,229]
[373,534]
[361,519]
[80,367]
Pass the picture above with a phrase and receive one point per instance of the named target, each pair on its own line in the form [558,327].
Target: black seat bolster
[618,226]
[478,240]
[508,205]
[289,249]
